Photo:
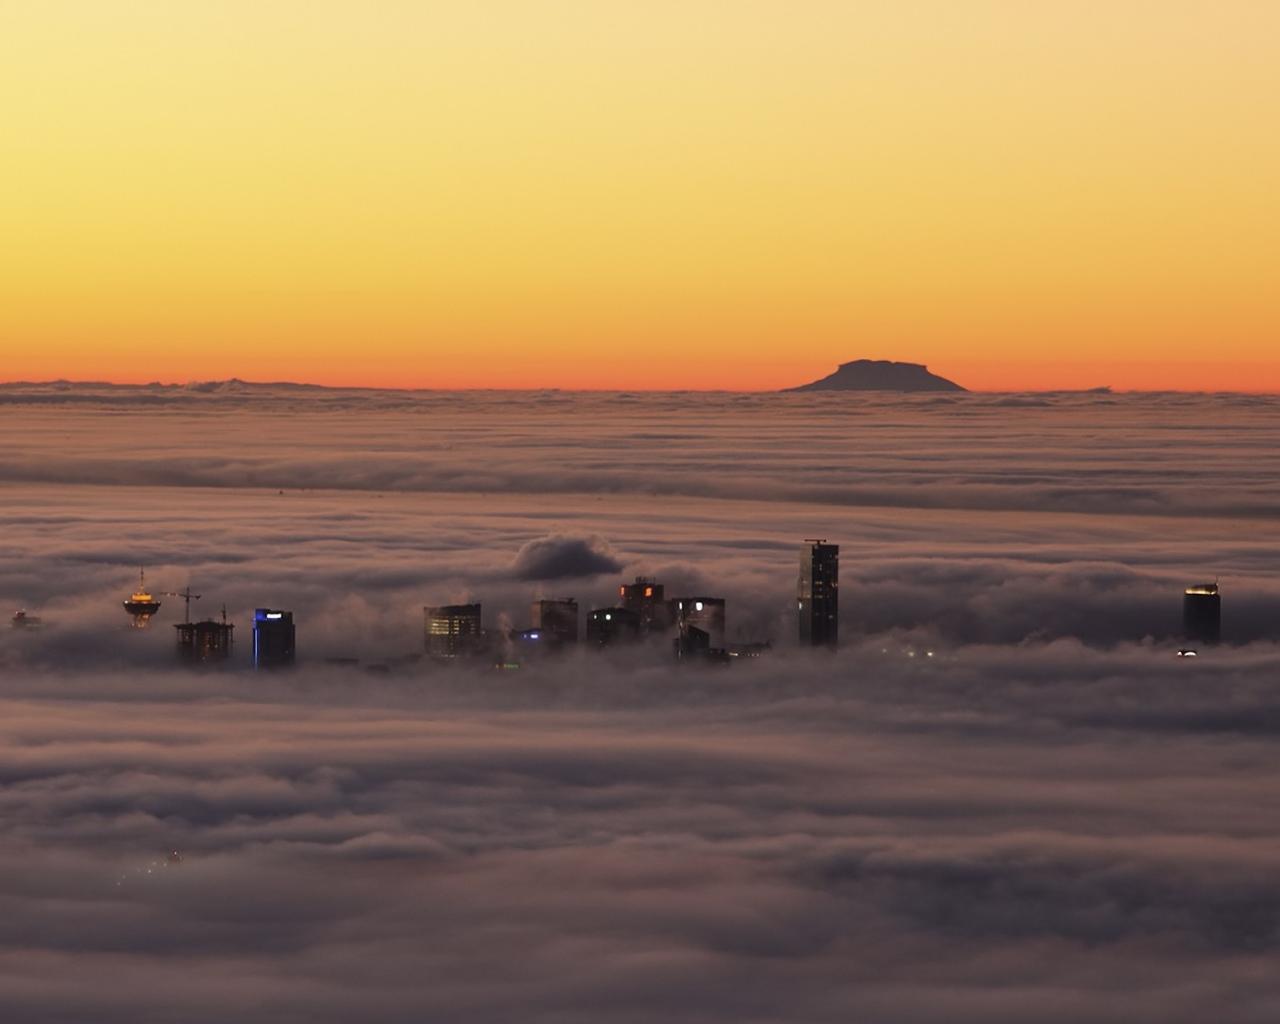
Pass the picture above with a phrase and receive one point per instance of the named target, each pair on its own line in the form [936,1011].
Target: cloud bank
[1050,818]
[869,837]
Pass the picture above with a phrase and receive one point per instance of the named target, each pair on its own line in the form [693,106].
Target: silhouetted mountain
[880,375]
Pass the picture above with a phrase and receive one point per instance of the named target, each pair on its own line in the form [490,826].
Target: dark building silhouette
[556,622]
[273,638]
[205,642]
[818,593]
[692,643]
[609,626]
[750,650]
[1202,614]
[645,598]
[703,613]
[452,630]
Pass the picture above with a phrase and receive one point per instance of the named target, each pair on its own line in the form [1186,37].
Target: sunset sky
[657,194]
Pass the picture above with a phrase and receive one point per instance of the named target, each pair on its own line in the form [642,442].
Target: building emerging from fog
[818,593]
[1202,614]
[705,614]
[556,622]
[452,630]
[644,598]
[273,638]
[205,642]
[609,626]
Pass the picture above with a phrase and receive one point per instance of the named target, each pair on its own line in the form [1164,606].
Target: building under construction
[205,642]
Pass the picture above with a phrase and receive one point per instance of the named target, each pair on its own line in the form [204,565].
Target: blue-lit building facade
[273,638]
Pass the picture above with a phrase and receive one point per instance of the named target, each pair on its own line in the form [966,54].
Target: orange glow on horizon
[615,195]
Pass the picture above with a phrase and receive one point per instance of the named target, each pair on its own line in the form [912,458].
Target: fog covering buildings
[818,593]
[692,626]
[1202,614]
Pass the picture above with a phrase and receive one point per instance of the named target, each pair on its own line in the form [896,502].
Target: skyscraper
[1202,614]
[557,620]
[644,598]
[818,592]
[452,629]
[273,638]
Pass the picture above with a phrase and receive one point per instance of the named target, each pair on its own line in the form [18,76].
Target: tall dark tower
[819,593]
[1202,614]
[273,638]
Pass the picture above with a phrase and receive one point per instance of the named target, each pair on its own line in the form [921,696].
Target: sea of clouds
[1049,817]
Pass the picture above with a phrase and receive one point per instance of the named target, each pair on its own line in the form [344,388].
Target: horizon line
[1099,389]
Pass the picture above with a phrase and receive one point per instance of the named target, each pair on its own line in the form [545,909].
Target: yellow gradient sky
[667,193]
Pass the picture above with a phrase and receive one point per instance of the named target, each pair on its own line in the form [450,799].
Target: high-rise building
[204,642]
[273,638]
[608,626]
[452,630]
[703,613]
[645,599]
[1202,614]
[818,593]
[556,621]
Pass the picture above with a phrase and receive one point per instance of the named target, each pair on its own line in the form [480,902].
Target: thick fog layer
[1004,799]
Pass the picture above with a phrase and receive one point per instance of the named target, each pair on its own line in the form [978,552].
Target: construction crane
[187,597]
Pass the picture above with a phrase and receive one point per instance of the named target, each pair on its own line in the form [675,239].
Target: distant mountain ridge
[880,375]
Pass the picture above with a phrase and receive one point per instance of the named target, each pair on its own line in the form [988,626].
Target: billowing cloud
[561,556]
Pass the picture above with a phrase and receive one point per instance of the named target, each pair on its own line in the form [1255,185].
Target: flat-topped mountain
[880,375]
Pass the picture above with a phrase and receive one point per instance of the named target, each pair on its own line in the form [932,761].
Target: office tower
[273,638]
[556,621]
[207,641]
[1202,614]
[818,593]
[452,630]
[644,598]
[608,626]
[702,613]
